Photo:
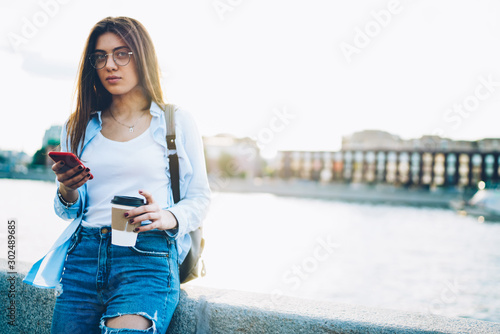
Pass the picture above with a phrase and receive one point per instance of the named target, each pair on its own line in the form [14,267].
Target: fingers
[58,166]
[152,216]
[82,179]
[148,227]
[147,216]
[71,178]
[143,211]
[64,174]
[148,196]
[152,212]
[161,220]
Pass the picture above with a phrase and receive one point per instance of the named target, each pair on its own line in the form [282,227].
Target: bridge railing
[415,168]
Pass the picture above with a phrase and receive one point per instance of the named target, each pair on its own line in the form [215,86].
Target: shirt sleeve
[63,211]
[194,188]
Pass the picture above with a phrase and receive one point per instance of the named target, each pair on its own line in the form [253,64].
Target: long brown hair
[91,94]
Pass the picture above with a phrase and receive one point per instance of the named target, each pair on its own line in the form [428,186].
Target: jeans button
[104,230]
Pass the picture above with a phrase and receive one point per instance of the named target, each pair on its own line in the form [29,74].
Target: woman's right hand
[71,179]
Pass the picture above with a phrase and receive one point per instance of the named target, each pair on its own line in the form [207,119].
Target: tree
[229,166]
[40,157]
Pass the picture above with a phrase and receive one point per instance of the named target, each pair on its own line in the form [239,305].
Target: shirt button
[104,230]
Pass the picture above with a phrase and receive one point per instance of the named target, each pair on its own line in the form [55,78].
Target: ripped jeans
[102,281]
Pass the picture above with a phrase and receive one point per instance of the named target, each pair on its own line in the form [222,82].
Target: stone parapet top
[207,310]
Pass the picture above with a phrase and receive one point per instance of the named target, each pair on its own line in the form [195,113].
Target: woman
[118,130]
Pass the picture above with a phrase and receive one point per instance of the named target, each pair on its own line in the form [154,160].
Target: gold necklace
[130,128]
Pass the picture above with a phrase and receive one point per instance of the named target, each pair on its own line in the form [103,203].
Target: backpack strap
[173,159]
[192,266]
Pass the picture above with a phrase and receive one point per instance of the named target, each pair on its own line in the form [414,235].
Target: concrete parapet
[203,310]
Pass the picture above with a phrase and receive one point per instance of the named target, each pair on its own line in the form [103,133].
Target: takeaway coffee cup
[122,232]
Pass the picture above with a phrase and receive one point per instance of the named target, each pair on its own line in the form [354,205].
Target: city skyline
[291,76]
[368,139]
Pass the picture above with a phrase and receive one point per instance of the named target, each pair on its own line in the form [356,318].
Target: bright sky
[291,74]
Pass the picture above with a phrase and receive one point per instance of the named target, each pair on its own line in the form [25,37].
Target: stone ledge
[226,311]
[203,310]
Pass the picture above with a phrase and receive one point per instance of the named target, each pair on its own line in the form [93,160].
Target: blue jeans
[102,281]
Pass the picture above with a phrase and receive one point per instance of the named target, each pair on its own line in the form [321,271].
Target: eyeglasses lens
[121,58]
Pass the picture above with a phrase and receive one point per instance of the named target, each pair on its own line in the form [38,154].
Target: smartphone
[70,160]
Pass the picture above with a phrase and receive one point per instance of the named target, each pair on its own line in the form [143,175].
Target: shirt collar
[96,114]
[155,110]
[157,125]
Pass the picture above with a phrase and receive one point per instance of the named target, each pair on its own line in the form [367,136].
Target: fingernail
[87,169]
[136,229]
[80,167]
[140,191]
[131,221]
[126,214]
[88,174]
[61,163]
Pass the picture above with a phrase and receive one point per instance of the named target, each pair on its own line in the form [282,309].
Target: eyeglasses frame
[130,53]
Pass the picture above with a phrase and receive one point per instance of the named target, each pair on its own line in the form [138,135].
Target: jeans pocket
[153,243]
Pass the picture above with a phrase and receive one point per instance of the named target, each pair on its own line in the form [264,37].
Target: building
[52,136]
[381,140]
[230,156]
[371,140]
[13,161]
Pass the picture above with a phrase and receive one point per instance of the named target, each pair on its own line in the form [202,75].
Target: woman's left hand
[160,219]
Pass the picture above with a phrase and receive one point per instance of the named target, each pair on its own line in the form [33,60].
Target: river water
[413,259]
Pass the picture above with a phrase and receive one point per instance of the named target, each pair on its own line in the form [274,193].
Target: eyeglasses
[99,59]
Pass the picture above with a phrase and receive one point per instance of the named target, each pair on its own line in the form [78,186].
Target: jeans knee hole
[125,322]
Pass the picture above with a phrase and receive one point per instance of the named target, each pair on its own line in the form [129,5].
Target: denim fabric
[102,281]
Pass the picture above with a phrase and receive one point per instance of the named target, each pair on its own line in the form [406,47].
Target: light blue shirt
[189,211]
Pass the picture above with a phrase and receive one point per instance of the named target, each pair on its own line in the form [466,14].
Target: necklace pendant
[131,129]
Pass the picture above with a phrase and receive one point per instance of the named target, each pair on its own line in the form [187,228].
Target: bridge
[409,168]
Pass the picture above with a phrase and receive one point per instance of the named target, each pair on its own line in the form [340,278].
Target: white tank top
[122,168]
